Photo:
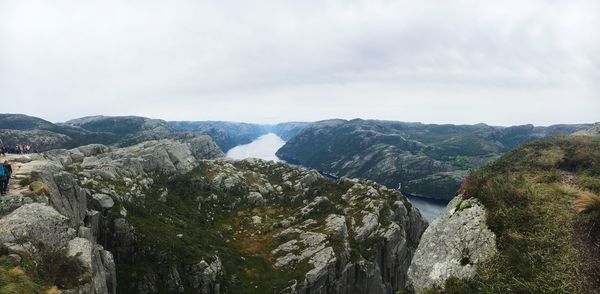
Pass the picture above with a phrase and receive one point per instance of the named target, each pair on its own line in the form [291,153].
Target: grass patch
[530,211]
[51,269]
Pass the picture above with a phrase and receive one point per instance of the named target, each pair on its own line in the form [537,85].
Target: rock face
[594,130]
[54,217]
[170,218]
[453,246]
[427,160]
[57,211]
[36,222]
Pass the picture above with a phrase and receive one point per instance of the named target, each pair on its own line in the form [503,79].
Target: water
[430,208]
[264,148]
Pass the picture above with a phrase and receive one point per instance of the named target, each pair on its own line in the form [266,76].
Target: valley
[164,210]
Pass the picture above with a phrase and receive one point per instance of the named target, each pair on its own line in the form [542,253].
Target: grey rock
[103,201]
[98,261]
[255,199]
[36,222]
[336,225]
[370,221]
[453,245]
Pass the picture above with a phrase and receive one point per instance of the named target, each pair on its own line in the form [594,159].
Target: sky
[455,61]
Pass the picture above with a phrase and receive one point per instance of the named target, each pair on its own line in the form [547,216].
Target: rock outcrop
[50,205]
[452,246]
[172,217]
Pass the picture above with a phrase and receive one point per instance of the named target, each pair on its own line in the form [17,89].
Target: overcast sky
[498,62]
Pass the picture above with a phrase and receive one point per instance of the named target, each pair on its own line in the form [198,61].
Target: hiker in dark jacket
[3,179]
[8,171]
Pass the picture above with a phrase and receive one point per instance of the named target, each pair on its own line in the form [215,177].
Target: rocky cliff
[49,212]
[427,160]
[157,218]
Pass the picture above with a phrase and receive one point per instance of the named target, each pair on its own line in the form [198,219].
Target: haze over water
[264,148]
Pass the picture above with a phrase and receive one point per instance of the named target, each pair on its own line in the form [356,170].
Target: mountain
[21,129]
[528,222]
[426,159]
[126,130]
[170,216]
[287,130]
[111,130]
[591,131]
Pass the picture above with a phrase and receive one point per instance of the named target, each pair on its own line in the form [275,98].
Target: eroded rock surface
[452,246]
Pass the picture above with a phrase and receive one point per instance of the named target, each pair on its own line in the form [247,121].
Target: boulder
[255,199]
[99,262]
[38,223]
[102,201]
[453,246]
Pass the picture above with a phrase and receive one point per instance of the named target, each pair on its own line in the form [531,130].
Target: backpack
[2,171]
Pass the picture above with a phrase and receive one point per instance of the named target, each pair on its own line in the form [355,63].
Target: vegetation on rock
[544,245]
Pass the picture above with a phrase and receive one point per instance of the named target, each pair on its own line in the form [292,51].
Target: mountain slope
[427,160]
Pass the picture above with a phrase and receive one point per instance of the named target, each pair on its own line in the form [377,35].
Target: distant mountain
[126,130]
[226,134]
[110,130]
[425,159]
[594,130]
[230,134]
[287,130]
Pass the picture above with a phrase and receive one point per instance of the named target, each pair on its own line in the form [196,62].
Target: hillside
[166,216]
[541,201]
[428,160]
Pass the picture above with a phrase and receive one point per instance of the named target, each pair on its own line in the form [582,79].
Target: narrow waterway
[264,147]
[267,145]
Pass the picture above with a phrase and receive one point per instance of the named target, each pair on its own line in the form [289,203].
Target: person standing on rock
[8,171]
[3,180]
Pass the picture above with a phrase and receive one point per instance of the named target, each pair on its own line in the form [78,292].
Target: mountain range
[423,159]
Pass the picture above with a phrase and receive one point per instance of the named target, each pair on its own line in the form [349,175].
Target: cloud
[214,59]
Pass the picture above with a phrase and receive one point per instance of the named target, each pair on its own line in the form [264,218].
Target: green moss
[38,188]
[25,182]
[462,205]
